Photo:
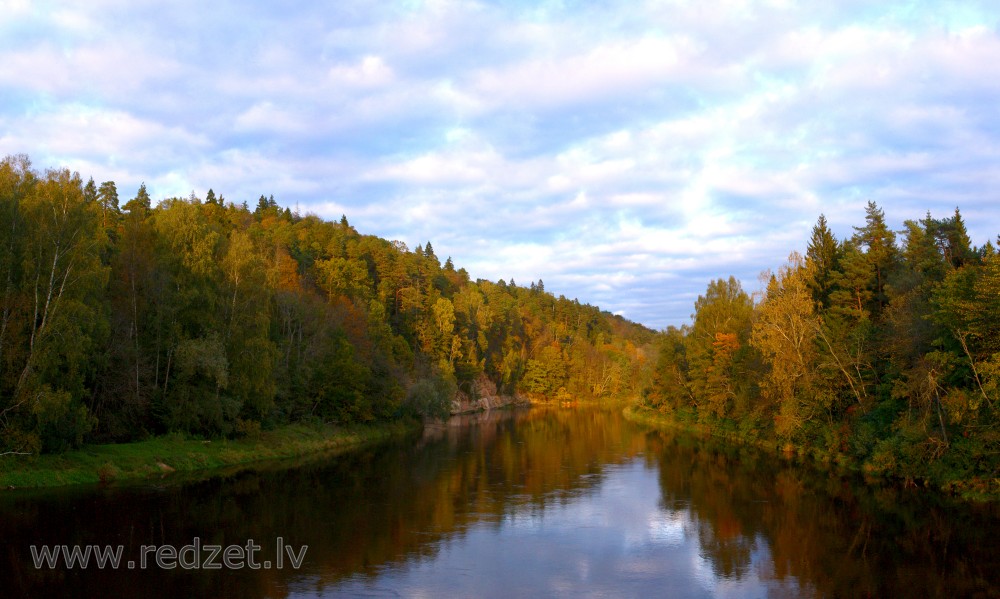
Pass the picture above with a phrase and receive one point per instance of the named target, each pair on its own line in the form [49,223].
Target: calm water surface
[539,503]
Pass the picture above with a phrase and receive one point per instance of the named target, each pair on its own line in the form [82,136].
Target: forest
[121,319]
[881,350]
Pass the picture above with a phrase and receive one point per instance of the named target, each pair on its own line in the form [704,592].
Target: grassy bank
[163,456]
[726,431]
[940,475]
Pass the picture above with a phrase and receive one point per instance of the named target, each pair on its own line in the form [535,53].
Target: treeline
[882,349]
[202,316]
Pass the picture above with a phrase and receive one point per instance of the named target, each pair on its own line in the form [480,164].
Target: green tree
[822,257]
[127,376]
[196,400]
[90,192]
[670,387]
[878,242]
[546,374]
[344,277]
[967,307]
[717,348]
[140,204]
[954,240]
[210,319]
[847,330]
[107,198]
[250,350]
[16,182]
[61,278]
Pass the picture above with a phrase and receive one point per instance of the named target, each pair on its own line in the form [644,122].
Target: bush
[62,422]
[431,397]
[108,472]
[249,429]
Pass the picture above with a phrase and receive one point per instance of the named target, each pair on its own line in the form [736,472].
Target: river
[529,503]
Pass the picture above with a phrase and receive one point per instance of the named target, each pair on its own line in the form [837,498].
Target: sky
[627,153]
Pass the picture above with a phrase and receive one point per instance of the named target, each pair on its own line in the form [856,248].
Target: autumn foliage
[208,318]
[876,350]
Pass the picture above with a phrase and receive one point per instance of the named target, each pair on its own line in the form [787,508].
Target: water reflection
[531,503]
[827,535]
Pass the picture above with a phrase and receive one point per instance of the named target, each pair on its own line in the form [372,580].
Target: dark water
[572,503]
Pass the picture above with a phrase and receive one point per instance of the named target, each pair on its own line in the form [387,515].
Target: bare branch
[975,373]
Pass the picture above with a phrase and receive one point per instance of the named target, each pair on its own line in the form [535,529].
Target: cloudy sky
[625,152]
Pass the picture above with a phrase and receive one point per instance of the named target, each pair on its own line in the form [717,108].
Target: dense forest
[120,319]
[882,350]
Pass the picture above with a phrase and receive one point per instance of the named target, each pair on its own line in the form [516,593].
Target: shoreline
[172,455]
[981,491]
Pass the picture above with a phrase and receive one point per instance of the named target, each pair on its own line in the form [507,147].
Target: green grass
[170,455]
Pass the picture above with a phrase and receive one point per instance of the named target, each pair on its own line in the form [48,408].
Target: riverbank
[484,397]
[731,436]
[942,479]
[163,456]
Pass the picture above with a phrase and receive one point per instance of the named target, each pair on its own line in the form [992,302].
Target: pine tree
[141,203]
[954,240]
[879,245]
[107,196]
[90,191]
[921,253]
[821,262]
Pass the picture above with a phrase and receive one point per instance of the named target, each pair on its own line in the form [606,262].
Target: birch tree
[784,331]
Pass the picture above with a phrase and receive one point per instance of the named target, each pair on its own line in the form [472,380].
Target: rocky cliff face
[484,397]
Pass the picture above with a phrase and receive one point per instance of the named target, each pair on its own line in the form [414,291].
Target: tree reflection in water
[540,502]
[835,534]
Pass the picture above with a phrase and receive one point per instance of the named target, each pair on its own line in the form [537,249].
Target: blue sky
[626,153]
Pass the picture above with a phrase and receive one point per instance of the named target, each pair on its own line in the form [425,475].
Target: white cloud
[625,153]
[266,116]
[15,8]
[371,71]
[74,132]
[438,168]
[607,70]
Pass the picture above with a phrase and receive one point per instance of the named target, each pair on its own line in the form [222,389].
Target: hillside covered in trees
[120,319]
[882,349]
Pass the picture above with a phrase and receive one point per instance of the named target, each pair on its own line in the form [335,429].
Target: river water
[533,503]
